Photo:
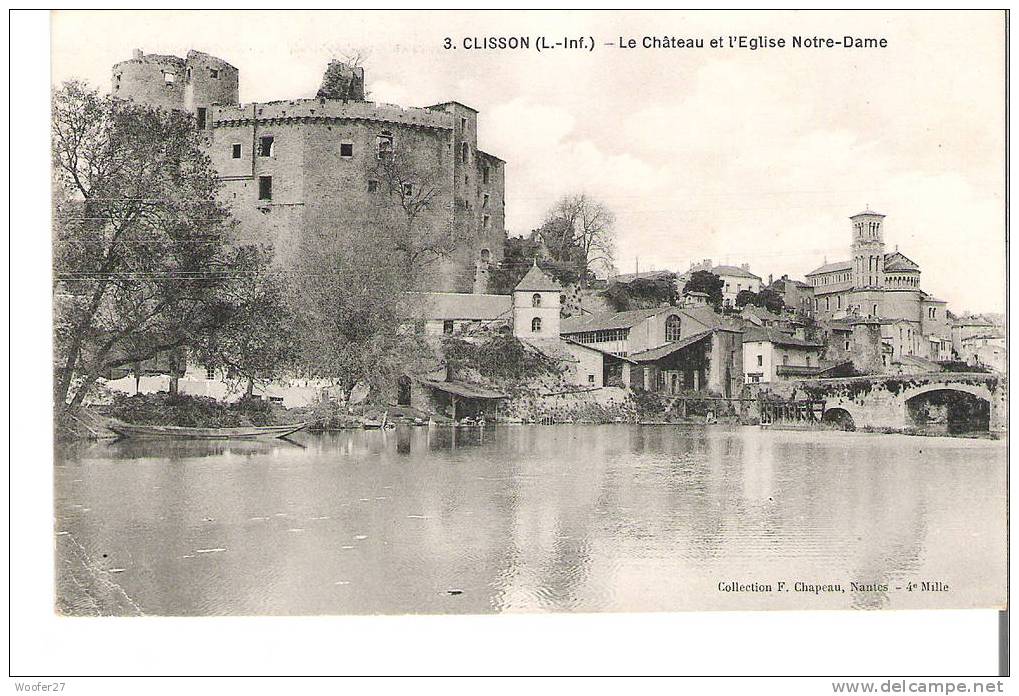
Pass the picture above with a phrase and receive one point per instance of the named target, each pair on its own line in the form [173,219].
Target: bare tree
[580,230]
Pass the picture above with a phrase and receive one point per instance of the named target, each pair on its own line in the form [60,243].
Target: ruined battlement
[330,109]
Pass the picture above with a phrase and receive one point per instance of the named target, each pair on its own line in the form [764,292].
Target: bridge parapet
[880,401]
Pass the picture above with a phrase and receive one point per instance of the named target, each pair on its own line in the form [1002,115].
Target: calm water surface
[527,518]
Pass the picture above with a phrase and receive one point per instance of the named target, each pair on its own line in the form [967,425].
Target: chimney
[137,53]
[770,281]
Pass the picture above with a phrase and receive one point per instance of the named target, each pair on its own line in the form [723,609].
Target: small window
[486,255]
[187,75]
[201,116]
[447,327]
[210,372]
[536,300]
[265,188]
[169,78]
[875,311]
[536,325]
[236,150]
[346,149]
[590,379]
[214,73]
[847,345]
[408,189]
[760,360]
[463,123]
[373,186]
[384,144]
[484,201]
[265,146]
[486,222]
[808,361]
[484,175]
[785,359]
[465,152]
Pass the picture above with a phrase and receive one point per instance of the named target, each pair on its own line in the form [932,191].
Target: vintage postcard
[484,312]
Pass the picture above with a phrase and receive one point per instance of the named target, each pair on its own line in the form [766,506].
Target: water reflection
[529,518]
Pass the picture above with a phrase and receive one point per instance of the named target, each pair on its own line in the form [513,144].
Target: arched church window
[673,327]
[536,325]
[536,300]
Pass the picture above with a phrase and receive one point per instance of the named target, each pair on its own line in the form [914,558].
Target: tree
[409,220]
[708,283]
[255,337]
[767,298]
[580,231]
[141,246]
[642,293]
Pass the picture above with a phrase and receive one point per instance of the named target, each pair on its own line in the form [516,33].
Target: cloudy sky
[735,155]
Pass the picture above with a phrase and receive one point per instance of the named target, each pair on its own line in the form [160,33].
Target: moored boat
[134,430]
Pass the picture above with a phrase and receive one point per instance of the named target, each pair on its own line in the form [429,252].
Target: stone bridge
[901,401]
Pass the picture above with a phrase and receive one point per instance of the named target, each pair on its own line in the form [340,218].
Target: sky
[735,155]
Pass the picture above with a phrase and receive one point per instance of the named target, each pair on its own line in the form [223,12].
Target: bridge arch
[951,406]
[839,417]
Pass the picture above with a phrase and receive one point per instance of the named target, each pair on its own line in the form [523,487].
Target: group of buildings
[295,172]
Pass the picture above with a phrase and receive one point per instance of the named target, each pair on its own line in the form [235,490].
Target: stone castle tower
[868,250]
[297,170]
[193,84]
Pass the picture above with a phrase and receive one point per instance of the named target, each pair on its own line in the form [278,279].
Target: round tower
[868,250]
[152,80]
[208,80]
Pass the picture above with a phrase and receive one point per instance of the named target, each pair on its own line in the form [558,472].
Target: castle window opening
[265,146]
[384,143]
[484,201]
[214,73]
[485,174]
[408,189]
[785,359]
[465,152]
[236,151]
[847,345]
[346,149]
[169,78]
[265,188]
[201,116]
[463,123]
[447,327]
[373,186]
[590,379]
[486,255]
[187,75]
[535,300]
[874,313]
[486,222]
[536,325]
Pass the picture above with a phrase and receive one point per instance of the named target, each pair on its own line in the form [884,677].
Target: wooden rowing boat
[176,432]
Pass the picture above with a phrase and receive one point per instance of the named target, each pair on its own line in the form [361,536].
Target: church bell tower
[868,250]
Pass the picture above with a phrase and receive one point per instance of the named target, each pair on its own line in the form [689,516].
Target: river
[530,518]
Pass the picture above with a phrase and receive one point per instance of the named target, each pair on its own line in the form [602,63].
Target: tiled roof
[471,391]
[830,267]
[734,271]
[596,349]
[452,305]
[670,348]
[758,333]
[644,275]
[617,320]
[536,280]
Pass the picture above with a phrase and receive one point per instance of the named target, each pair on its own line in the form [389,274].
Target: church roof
[830,267]
[897,261]
[868,211]
[536,280]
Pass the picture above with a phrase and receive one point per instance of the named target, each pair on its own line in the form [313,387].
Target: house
[596,367]
[987,350]
[449,313]
[633,331]
[710,360]
[797,294]
[770,356]
[735,279]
